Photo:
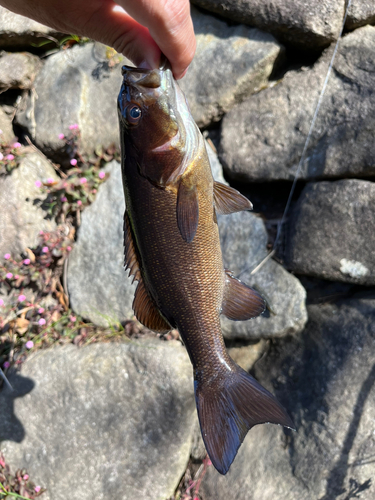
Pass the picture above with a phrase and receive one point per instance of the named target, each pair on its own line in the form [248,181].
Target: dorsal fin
[131,258]
[228,200]
[146,310]
[187,210]
[240,302]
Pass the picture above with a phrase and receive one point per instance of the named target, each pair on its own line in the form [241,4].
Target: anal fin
[146,310]
[228,200]
[240,302]
[187,211]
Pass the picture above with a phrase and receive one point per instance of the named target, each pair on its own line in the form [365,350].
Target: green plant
[18,485]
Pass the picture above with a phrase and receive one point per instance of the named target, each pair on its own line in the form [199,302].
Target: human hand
[139,29]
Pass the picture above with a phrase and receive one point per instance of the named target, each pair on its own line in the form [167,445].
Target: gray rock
[18,70]
[231,63]
[360,12]
[243,239]
[74,86]
[104,421]
[262,139]
[98,286]
[21,214]
[100,290]
[247,355]
[331,232]
[308,25]
[6,128]
[18,32]
[326,380]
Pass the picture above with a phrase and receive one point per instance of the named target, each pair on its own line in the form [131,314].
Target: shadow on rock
[335,483]
[11,429]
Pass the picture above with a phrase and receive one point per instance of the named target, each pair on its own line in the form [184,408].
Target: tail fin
[228,406]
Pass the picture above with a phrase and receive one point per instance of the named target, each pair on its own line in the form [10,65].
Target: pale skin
[140,29]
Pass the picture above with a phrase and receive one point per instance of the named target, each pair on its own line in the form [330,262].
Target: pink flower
[7,256]
[45,249]
[37,489]
[73,319]
[42,322]
[41,232]
[1,302]
[25,477]
[38,184]
[63,198]
[16,276]
[101,174]
[73,162]
[79,203]
[1,156]
[74,126]
[83,180]
[50,180]
[21,298]
[69,248]
[6,365]
[10,157]
[9,276]
[41,310]
[29,344]
[16,145]
[61,136]
[26,261]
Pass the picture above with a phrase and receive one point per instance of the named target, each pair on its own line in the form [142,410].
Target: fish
[172,249]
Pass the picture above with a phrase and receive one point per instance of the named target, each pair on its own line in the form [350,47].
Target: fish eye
[133,114]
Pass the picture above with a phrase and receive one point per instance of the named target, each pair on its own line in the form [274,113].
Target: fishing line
[307,142]
[2,375]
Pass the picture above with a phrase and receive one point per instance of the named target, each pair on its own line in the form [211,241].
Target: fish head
[156,125]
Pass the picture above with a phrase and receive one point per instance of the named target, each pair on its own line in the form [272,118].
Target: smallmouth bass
[172,249]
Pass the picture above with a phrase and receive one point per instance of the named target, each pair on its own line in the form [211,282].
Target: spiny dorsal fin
[240,302]
[228,200]
[187,211]
[131,259]
[146,311]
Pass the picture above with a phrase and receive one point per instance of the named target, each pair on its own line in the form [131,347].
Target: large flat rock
[325,377]
[262,139]
[307,25]
[103,421]
[230,63]
[100,290]
[331,232]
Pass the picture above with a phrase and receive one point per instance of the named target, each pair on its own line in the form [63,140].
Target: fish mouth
[140,77]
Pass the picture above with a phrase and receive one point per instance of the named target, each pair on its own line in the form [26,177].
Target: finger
[170,25]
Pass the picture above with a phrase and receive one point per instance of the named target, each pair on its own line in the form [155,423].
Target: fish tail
[229,404]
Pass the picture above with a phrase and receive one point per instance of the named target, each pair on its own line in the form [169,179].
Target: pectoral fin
[240,301]
[187,211]
[131,258]
[146,310]
[228,200]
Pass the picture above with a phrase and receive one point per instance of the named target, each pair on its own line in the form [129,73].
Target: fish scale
[172,249]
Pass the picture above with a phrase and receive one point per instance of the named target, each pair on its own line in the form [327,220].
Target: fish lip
[145,78]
